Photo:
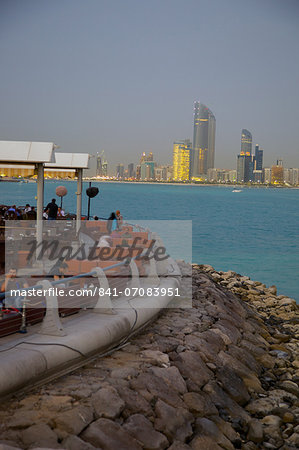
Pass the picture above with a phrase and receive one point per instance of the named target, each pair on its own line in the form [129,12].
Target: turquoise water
[254,232]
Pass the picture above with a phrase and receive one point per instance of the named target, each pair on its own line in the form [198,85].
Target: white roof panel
[26,152]
[70,161]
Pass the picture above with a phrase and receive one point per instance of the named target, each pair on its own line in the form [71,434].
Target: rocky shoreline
[221,375]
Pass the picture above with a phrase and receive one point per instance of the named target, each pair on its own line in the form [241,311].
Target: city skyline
[122,85]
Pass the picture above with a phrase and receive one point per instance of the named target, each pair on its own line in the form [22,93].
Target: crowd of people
[21,213]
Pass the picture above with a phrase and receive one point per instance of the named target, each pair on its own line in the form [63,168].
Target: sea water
[253,232]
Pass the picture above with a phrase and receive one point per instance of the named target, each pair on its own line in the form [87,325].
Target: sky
[122,76]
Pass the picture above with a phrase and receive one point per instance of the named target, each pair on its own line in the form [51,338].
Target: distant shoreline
[229,185]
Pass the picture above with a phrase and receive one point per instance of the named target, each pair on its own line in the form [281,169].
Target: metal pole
[88,209]
[79,199]
[40,202]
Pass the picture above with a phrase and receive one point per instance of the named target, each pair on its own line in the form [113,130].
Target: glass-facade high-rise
[203,152]
[181,160]
[258,158]
[246,143]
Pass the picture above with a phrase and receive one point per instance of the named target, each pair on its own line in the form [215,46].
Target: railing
[51,324]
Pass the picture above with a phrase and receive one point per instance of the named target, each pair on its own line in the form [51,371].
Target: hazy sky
[122,75]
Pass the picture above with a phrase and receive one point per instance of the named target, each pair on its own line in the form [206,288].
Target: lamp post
[91,192]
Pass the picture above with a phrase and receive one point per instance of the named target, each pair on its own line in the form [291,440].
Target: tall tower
[246,143]
[258,158]
[181,160]
[203,153]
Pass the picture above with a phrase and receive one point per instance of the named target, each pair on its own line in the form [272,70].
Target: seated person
[12,282]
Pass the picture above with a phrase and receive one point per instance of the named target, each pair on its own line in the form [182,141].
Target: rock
[272,420]
[156,357]
[290,386]
[74,420]
[191,366]
[272,290]
[56,402]
[143,431]
[75,443]
[288,417]
[176,445]
[124,372]
[134,402]
[200,404]
[223,402]
[286,301]
[107,403]
[8,447]
[23,419]
[227,430]
[108,435]
[172,378]
[40,435]
[255,432]
[293,440]
[261,407]
[233,385]
[151,386]
[204,443]
[175,423]
[206,427]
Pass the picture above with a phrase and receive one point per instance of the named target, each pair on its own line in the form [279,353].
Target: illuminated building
[203,152]
[266,175]
[258,176]
[277,174]
[181,160]
[246,143]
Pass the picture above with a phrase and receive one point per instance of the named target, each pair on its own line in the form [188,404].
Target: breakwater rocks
[221,375]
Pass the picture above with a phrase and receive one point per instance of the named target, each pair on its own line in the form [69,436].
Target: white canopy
[26,152]
[70,161]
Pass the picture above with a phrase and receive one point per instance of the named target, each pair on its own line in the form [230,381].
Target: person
[12,282]
[11,213]
[112,223]
[60,212]
[31,215]
[119,219]
[52,210]
[27,208]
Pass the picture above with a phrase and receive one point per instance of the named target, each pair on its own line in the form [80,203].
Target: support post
[135,282]
[104,304]
[40,203]
[152,277]
[79,199]
[51,324]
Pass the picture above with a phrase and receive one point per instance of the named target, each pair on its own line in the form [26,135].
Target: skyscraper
[245,164]
[101,164]
[246,143]
[181,160]
[203,153]
[258,158]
